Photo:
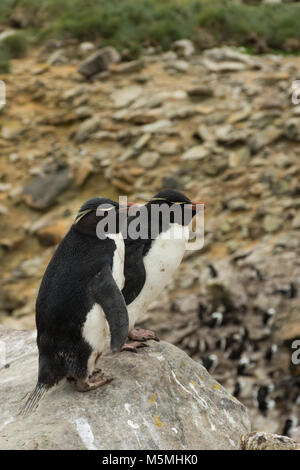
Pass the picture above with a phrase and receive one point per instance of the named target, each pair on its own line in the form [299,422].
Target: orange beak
[197,205]
[127,206]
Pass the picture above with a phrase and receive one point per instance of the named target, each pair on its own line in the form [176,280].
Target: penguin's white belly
[118,259]
[96,329]
[160,263]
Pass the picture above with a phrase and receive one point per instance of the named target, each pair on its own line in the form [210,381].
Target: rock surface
[159,399]
[266,441]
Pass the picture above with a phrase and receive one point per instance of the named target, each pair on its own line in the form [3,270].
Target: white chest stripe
[160,263]
[96,329]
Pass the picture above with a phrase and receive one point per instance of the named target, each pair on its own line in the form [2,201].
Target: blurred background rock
[127,97]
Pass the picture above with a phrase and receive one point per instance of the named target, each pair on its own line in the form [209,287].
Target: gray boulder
[99,61]
[159,399]
[43,191]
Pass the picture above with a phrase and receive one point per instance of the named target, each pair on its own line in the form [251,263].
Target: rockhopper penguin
[152,258]
[80,311]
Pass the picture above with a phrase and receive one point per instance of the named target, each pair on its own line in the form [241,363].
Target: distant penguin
[268,316]
[215,320]
[238,387]
[210,362]
[80,311]
[289,425]
[152,258]
[243,366]
[262,399]
[270,352]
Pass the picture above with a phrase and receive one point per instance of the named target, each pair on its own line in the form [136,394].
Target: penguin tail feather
[33,400]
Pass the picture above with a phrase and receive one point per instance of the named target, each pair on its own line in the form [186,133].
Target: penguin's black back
[64,301]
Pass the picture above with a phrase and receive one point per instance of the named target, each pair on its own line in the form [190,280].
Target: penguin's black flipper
[106,293]
[134,272]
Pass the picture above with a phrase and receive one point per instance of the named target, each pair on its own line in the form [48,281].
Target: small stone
[133,66]
[4,187]
[237,204]
[10,243]
[232,246]
[169,56]
[158,126]
[142,141]
[201,91]
[43,191]
[195,153]
[13,157]
[264,138]
[181,112]
[184,47]
[74,92]
[57,58]
[83,171]
[225,227]
[179,65]
[239,116]
[256,189]
[126,155]
[292,129]
[121,185]
[273,78]
[104,135]
[205,133]
[226,53]
[125,96]
[52,234]
[3,210]
[148,159]
[272,223]
[86,128]
[99,61]
[240,157]
[169,147]
[12,130]
[223,66]
[283,161]
[296,222]
[85,47]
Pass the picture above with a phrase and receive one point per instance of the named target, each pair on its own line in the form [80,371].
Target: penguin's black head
[99,214]
[184,208]
[170,196]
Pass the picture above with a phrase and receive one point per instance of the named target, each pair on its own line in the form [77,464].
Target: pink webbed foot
[93,381]
[142,335]
[134,346]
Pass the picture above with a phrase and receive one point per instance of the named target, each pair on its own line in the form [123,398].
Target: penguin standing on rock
[80,311]
[152,258]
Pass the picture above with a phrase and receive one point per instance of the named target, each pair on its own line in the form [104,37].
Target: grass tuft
[131,24]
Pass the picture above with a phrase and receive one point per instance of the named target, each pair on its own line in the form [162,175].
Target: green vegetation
[16,45]
[132,24]
[273,23]
[11,47]
[4,61]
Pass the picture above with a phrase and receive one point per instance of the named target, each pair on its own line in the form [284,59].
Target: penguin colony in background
[94,290]
[238,350]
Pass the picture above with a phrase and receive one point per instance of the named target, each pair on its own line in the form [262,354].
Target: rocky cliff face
[221,126]
[159,399]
